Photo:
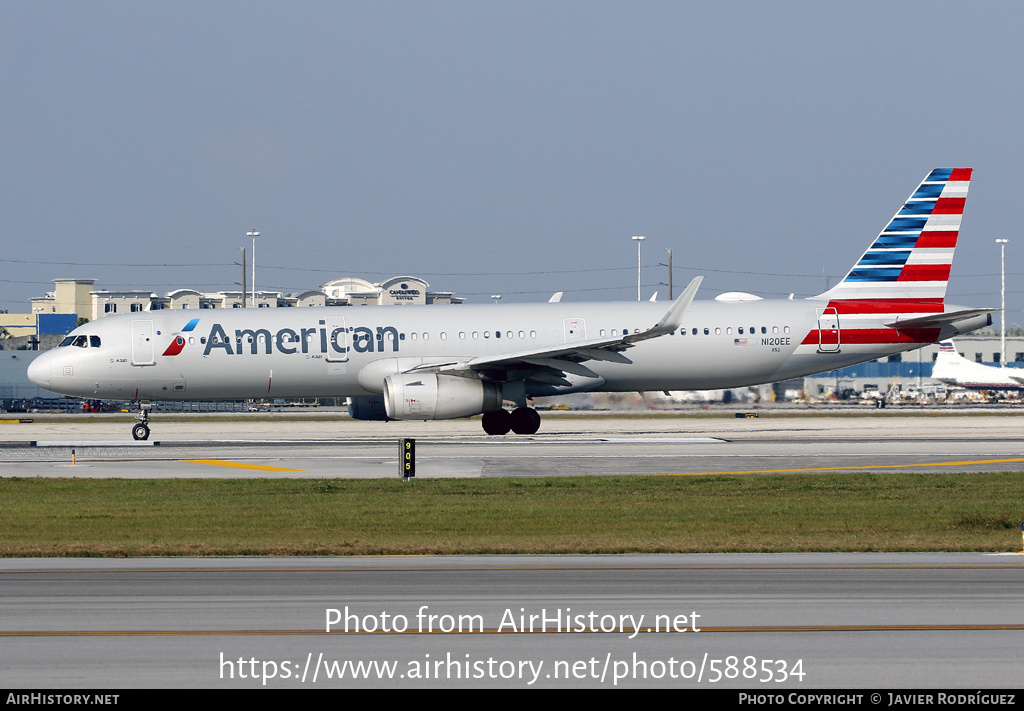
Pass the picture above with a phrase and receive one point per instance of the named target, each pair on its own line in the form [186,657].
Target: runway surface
[566,446]
[770,623]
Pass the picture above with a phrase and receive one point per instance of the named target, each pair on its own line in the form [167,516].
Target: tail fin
[947,351]
[948,365]
[912,256]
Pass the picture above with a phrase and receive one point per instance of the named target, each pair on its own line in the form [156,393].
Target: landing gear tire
[525,420]
[141,429]
[497,422]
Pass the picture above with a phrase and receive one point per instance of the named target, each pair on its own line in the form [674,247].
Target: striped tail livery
[895,293]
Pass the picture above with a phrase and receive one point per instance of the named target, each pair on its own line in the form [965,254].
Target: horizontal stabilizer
[933,320]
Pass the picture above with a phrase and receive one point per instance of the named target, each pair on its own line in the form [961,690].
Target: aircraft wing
[569,357]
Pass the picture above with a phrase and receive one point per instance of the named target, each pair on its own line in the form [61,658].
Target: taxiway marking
[239,465]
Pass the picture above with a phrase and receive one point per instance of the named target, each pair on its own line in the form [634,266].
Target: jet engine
[367,408]
[429,396]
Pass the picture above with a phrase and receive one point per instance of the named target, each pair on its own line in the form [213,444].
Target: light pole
[243,276]
[669,274]
[639,240]
[1002,294]
[254,234]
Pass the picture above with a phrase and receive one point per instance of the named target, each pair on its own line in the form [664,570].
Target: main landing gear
[522,420]
[141,429]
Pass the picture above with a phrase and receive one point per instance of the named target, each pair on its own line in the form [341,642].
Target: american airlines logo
[318,340]
[179,342]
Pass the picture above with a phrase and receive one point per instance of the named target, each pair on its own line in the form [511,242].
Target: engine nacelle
[367,408]
[429,396]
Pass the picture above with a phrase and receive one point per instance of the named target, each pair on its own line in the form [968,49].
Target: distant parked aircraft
[953,369]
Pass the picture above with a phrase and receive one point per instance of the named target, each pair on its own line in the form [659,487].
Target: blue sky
[499,147]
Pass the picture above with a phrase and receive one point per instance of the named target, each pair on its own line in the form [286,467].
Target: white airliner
[432,363]
[952,368]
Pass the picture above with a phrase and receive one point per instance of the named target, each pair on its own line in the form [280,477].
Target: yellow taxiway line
[860,467]
[240,465]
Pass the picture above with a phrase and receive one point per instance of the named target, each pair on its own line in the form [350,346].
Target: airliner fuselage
[317,352]
[437,362]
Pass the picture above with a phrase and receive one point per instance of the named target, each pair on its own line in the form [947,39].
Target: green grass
[811,512]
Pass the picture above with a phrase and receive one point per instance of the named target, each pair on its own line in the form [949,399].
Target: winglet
[671,320]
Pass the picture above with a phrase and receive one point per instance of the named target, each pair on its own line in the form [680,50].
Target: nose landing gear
[141,429]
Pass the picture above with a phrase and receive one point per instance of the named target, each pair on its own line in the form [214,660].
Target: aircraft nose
[39,371]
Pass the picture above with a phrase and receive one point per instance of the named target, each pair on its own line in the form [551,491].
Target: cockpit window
[81,341]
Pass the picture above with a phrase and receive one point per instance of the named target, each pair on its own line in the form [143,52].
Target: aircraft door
[337,341]
[143,348]
[828,330]
[575,329]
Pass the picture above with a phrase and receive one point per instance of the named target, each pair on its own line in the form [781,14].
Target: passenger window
[718,331]
[497,334]
[487,334]
[523,335]
[694,332]
[775,329]
[764,330]
[785,329]
[533,334]
[444,336]
[728,330]
[740,329]
[462,335]
[707,332]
